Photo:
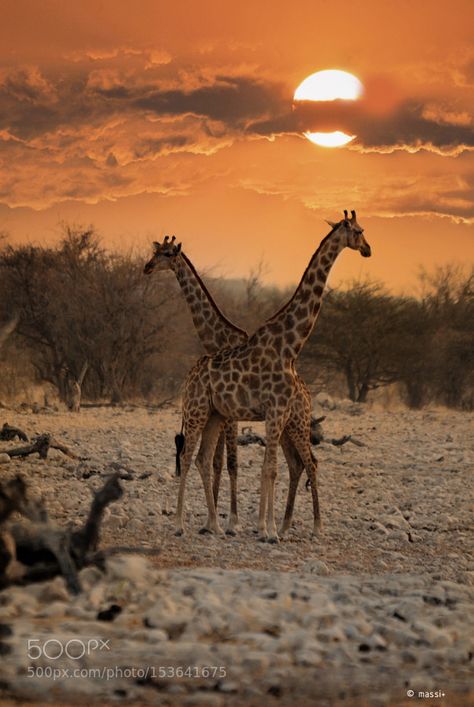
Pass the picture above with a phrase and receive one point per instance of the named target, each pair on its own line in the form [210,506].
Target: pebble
[134,568]
[378,577]
[317,567]
[54,590]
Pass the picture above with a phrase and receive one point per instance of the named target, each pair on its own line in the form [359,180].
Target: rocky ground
[380,604]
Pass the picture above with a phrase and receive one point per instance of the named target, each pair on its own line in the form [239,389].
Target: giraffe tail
[179,444]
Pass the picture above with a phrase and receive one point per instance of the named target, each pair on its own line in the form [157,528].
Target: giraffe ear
[333,224]
[178,248]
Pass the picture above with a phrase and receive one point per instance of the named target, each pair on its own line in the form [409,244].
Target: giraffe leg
[232,466]
[271,477]
[204,461]
[191,438]
[312,471]
[217,463]
[273,428]
[303,447]
[262,513]
[295,469]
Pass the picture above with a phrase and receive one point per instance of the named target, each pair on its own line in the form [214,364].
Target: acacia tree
[28,286]
[358,334]
[414,353]
[77,304]
[448,296]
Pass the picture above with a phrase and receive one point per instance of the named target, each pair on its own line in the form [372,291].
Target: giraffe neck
[291,326]
[214,330]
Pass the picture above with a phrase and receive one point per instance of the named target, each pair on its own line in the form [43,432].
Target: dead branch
[162,403]
[316,430]
[83,372]
[8,433]
[8,328]
[347,438]
[357,442]
[87,538]
[14,497]
[43,550]
[250,437]
[340,441]
[55,444]
[41,445]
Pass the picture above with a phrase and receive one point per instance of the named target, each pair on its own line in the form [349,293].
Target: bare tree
[357,335]
[448,295]
[79,303]
[7,329]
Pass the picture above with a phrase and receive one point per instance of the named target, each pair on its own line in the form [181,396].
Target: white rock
[204,699]
[317,567]
[90,576]
[97,595]
[55,609]
[55,590]
[308,656]
[134,568]
[325,401]
[421,683]
[136,526]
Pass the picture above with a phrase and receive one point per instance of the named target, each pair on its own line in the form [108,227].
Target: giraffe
[257,380]
[216,333]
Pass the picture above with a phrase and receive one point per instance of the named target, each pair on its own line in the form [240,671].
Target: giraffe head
[352,233]
[164,255]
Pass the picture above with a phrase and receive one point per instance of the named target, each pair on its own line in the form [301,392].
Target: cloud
[411,126]
[153,56]
[416,126]
[97,128]
[444,196]
[26,85]
[448,196]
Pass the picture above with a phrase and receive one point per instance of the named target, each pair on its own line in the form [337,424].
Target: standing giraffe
[257,380]
[217,333]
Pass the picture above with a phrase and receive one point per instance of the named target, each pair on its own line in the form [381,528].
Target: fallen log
[316,431]
[41,445]
[8,433]
[248,436]
[13,497]
[38,550]
[346,438]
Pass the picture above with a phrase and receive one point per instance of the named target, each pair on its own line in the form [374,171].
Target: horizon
[340,277]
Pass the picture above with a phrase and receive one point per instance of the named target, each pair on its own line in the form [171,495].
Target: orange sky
[146,118]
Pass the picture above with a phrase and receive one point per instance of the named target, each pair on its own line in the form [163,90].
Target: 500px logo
[75,648]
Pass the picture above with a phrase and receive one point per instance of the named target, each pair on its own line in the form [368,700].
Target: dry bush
[78,303]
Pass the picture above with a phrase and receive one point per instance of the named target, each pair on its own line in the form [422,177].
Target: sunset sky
[150,117]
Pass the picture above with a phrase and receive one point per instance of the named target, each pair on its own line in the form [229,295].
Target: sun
[329,85]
